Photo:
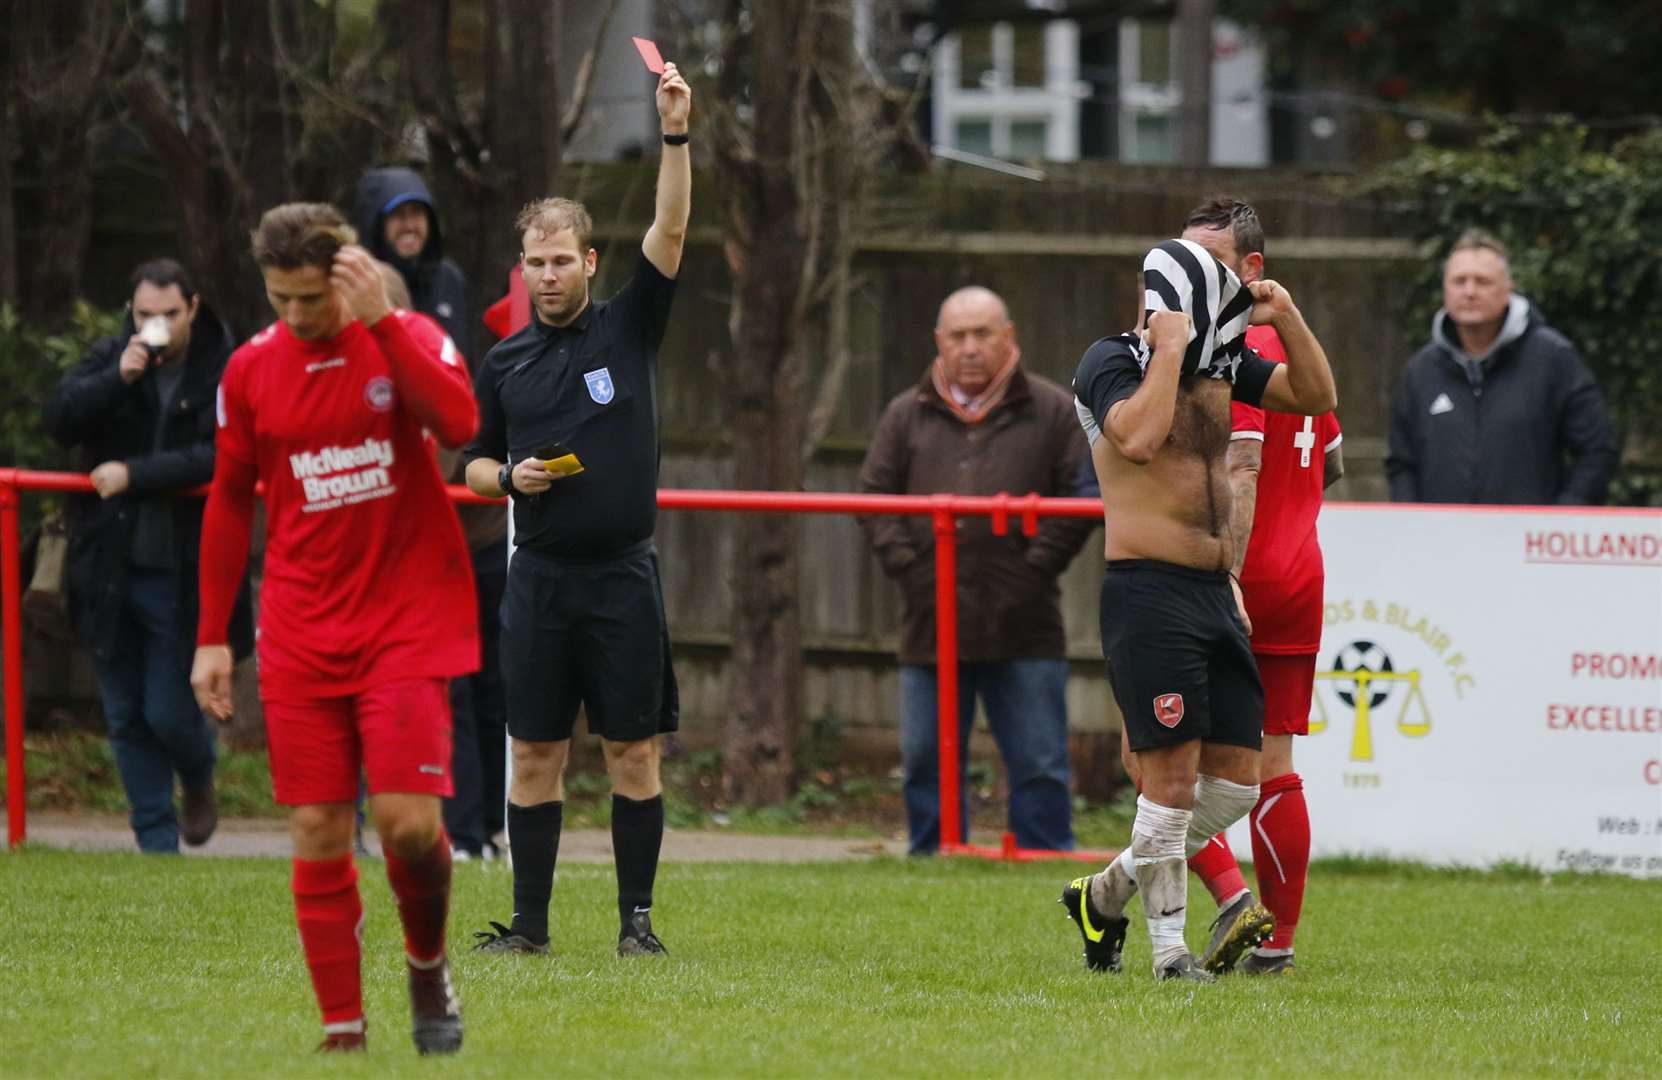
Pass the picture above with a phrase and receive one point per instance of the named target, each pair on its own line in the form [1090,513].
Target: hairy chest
[1200,420]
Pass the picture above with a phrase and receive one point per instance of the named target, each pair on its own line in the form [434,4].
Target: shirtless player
[1155,407]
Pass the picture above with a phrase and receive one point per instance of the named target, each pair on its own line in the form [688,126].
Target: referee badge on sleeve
[600,385]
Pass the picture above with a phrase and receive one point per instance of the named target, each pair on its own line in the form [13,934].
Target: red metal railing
[944,510]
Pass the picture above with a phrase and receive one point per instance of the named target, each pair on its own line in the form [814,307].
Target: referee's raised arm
[668,234]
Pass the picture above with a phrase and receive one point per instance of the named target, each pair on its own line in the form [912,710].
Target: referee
[582,614]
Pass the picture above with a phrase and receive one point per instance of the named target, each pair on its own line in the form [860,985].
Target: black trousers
[479,738]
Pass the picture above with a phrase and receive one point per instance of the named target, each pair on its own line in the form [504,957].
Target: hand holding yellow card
[559,460]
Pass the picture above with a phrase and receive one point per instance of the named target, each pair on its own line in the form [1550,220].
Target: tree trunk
[767,377]
[233,155]
[1193,33]
[485,168]
[60,58]
[789,172]
[8,147]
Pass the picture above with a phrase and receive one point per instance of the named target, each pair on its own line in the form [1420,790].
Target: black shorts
[587,632]
[1178,656]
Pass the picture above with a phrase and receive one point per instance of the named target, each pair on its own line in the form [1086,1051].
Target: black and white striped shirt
[1178,275]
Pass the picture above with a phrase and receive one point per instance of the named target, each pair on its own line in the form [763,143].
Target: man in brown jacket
[978,424]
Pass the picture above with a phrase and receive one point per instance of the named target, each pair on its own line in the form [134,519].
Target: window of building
[1150,101]
[1154,44]
[1010,90]
[974,136]
[1027,138]
[975,58]
[1027,55]
[1153,141]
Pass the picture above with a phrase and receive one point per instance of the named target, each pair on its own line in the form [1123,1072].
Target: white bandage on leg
[1157,837]
[1112,889]
[1218,805]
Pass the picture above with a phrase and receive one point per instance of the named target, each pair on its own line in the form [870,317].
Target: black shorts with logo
[1178,656]
[587,632]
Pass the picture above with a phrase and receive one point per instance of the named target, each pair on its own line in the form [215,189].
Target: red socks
[1281,853]
[331,916]
[1218,870]
[423,891]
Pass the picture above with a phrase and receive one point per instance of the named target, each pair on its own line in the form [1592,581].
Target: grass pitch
[117,965]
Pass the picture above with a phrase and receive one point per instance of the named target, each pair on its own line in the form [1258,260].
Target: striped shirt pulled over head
[1180,275]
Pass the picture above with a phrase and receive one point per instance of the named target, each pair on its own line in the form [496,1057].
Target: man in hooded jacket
[395,217]
[1498,407]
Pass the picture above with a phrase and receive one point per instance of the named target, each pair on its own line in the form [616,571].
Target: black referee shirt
[591,385]
[1110,372]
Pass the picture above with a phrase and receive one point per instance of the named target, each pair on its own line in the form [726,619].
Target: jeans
[1026,705]
[156,730]
[480,733]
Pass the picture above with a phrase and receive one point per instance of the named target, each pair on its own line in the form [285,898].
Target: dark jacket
[438,288]
[1524,425]
[110,420]
[437,285]
[1009,607]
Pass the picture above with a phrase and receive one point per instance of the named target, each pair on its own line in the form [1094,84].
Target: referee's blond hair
[556,215]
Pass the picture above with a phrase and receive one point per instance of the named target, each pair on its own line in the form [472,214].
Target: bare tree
[58,60]
[793,120]
[8,148]
[490,160]
[254,107]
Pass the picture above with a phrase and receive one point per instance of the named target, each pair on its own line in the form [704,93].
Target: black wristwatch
[505,479]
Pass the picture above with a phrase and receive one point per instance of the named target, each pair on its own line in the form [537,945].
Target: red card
[649,53]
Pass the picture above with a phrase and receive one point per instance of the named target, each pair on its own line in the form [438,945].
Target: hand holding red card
[649,53]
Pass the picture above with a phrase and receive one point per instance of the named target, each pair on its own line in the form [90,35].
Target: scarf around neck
[981,406]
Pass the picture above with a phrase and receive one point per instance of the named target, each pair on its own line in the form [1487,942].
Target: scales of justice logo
[1364,678]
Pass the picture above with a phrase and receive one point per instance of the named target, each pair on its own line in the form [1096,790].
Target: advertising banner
[1489,688]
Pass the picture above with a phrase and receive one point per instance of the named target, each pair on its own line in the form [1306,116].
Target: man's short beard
[567,313]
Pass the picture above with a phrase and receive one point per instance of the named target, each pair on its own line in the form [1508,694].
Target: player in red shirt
[366,586]
[1279,466]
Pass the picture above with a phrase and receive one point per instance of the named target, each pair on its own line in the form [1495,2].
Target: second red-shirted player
[365,567]
[1279,466]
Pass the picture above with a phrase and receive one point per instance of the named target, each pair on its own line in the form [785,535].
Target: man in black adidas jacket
[1498,407]
[140,407]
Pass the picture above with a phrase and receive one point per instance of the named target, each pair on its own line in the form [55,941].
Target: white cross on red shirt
[1306,441]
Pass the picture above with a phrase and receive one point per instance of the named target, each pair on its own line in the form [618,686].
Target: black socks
[534,839]
[637,835]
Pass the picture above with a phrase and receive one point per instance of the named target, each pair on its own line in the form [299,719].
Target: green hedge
[1582,226]
[32,361]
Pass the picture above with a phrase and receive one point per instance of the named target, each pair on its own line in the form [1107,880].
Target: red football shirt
[1282,578]
[367,577]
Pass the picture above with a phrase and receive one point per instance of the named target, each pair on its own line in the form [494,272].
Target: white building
[1048,90]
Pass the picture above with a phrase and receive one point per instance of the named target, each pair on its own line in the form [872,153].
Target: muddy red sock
[423,890]
[1218,870]
[330,914]
[1281,853]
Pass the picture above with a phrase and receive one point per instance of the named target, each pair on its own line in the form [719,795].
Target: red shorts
[1289,681]
[398,733]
